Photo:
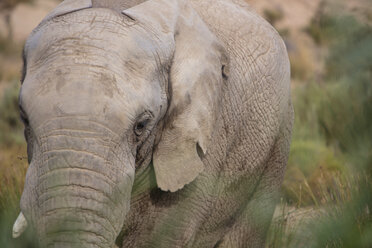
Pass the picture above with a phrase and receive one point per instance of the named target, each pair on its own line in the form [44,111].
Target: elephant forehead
[98,37]
[90,63]
[80,93]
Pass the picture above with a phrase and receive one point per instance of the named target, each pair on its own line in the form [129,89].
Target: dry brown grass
[13,166]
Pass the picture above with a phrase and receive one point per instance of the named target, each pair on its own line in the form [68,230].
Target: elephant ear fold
[195,82]
[68,6]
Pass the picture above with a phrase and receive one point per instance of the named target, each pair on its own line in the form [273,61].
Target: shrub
[273,15]
[10,124]
[331,154]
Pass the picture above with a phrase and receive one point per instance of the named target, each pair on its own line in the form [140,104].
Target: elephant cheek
[76,195]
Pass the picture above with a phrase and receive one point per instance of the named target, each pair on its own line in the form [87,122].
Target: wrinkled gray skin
[158,124]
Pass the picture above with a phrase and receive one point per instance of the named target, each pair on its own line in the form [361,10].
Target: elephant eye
[225,71]
[140,127]
[143,122]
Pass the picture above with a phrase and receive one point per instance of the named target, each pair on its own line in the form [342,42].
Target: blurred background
[326,198]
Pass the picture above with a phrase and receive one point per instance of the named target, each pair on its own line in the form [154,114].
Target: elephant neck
[144,182]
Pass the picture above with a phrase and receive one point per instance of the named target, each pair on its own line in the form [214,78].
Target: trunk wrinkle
[45,190]
[62,192]
[105,160]
[73,244]
[104,177]
[88,120]
[78,185]
[104,143]
[72,150]
[69,130]
[79,229]
[96,234]
[48,160]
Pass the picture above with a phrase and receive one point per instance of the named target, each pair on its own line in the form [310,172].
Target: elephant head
[106,93]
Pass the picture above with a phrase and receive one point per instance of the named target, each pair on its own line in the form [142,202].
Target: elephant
[158,123]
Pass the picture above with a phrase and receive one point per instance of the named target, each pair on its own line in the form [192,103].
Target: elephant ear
[195,81]
[68,6]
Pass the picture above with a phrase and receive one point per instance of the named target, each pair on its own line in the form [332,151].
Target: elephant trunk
[82,189]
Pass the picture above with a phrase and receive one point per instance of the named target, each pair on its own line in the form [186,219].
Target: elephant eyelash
[224,71]
[141,125]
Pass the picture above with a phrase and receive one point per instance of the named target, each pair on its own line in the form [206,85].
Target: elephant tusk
[19,225]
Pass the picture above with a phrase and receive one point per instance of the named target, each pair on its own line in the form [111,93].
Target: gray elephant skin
[159,123]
